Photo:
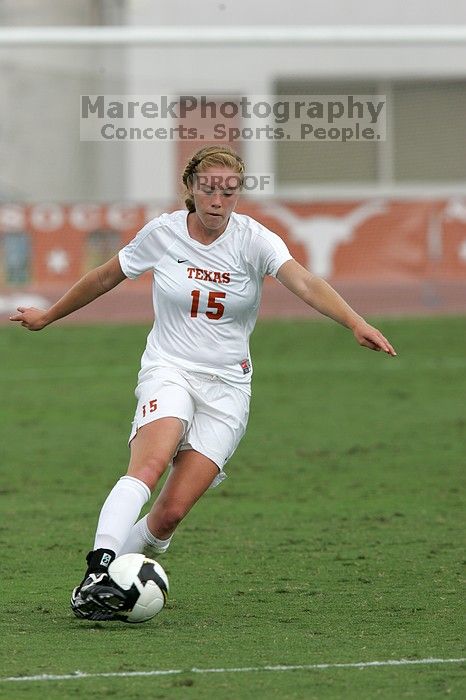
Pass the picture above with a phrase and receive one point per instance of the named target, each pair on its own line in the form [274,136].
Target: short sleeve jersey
[206,297]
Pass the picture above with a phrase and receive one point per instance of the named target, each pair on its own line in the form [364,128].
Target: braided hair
[208,157]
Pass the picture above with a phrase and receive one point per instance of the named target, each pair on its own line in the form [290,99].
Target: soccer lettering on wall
[384,253]
[152,407]
[216,307]
[47,246]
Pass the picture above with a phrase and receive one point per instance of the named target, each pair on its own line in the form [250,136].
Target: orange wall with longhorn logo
[49,246]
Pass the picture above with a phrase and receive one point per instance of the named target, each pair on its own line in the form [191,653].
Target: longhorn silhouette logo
[321,234]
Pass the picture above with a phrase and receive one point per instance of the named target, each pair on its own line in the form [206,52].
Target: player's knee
[170,517]
[149,470]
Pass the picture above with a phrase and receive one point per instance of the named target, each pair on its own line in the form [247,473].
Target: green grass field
[338,537]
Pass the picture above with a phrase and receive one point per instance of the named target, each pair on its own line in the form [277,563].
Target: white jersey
[206,297]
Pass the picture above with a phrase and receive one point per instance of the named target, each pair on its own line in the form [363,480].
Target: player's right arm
[95,283]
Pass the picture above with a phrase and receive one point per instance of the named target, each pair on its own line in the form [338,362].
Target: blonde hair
[209,157]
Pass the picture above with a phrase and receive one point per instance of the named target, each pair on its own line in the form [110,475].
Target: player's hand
[31,318]
[370,337]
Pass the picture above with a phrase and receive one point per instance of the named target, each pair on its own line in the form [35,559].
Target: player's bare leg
[152,449]
[190,477]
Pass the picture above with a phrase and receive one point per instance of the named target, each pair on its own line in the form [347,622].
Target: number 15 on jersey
[215,308]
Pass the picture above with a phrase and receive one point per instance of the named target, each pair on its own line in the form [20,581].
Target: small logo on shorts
[245,366]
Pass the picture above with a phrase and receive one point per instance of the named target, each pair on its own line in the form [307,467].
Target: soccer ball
[145,583]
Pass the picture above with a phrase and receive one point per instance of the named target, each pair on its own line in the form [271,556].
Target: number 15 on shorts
[149,408]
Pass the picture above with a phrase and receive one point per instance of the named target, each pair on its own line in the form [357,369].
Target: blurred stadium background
[385,222]
[339,537]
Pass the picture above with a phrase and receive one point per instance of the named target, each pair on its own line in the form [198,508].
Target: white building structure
[43,158]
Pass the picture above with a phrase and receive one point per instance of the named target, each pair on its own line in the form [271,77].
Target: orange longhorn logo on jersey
[195,273]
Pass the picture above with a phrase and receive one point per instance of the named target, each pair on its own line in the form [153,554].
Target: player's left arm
[316,292]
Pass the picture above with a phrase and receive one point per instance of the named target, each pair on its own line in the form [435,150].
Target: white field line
[79,675]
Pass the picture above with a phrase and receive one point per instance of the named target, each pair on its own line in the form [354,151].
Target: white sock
[119,513]
[141,537]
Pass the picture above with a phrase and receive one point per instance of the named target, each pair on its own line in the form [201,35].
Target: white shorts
[214,414]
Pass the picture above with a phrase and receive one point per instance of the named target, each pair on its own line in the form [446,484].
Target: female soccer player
[193,388]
